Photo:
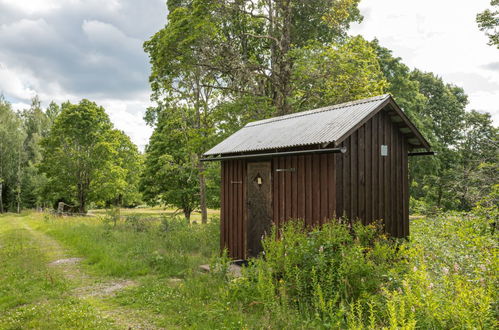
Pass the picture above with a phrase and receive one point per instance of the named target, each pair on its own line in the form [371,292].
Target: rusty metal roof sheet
[323,125]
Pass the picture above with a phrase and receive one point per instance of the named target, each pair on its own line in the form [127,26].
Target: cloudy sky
[72,49]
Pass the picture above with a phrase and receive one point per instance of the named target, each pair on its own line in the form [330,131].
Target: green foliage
[488,21]
[137,245]
[170,174]
[337,276]
[332,74]
[33,295]
[465,142]
[322,272]
[86,160]
[11,156]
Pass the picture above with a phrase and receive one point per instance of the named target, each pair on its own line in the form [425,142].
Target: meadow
[142,271]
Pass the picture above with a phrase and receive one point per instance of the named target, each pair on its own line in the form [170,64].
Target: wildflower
[456,267]
[445,270]
[321,249]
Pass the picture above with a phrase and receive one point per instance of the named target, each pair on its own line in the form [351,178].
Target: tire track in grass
[89,288]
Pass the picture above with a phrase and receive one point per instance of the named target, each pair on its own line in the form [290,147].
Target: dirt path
[92,289]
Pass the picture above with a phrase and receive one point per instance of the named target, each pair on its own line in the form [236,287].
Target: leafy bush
[323,271]
[339,276]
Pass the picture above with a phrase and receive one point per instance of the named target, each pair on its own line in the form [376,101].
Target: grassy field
[156,212]
[142,272]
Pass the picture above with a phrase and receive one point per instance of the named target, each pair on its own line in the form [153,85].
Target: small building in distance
[348,159]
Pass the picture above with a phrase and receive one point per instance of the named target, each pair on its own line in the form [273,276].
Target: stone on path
[66,261]
[234,270]
[205,268]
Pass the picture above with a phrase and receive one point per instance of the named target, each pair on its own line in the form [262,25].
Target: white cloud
[15,83]
[441,37]
[67,50]
[32,6]
[128,117]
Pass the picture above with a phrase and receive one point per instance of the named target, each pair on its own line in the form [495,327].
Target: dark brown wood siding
[358,184]
[304,188]
[233,208]
[370,186]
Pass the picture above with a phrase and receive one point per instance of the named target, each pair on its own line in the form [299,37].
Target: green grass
[32,295]
[444,277]
[143,247]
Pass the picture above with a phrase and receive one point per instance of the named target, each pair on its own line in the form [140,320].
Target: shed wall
[358,184]
[370,186]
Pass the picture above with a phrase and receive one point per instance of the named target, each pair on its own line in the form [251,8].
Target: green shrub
[342,276]
[321,272]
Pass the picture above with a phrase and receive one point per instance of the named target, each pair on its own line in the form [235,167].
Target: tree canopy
[85,159]
[488,21]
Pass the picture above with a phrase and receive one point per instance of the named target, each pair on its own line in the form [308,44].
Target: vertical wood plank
[223,214]
[244,232]
[384,184]
[354,182]
[368,171]
[339,159]
[301,187]
[275,186]
[361,175]
[282,192]
[331,179]
[240,202]
[347,180]
[406,190]
[316,189]
[324,183]
[288,188]
[294,188]
[389,177]
[236,208]
[400,185]
[375,165]
[308,185]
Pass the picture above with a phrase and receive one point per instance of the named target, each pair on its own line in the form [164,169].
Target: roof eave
[400,113]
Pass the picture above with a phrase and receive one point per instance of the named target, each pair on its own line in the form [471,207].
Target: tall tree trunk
[280,18]
[82,198]
[202,181]
[202,193]
[1,195]
[187,214]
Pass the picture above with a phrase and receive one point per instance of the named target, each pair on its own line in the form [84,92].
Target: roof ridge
[318,110]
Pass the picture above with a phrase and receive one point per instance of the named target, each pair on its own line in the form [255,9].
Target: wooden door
[259,200]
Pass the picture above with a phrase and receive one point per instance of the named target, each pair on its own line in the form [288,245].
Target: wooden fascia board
[399,112]
[409,124]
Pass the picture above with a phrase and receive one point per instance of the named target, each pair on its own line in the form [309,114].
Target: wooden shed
[349,159]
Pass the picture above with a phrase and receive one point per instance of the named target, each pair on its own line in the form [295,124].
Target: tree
[118,184]
[232,62]
[488,21]
[11,157]
[332,74]
[478,161]
[170,175]
[81,155]
[36,125]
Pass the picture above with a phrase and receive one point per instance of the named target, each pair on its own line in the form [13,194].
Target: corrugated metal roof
[317,126]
